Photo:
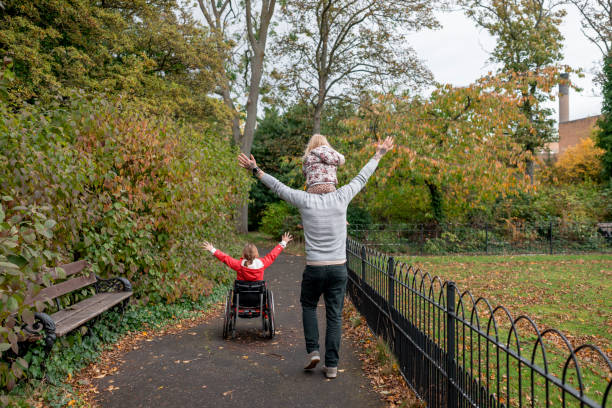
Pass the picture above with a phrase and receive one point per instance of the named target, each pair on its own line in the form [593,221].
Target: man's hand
[207,246]
[287,237]
[245,162]
[383,147]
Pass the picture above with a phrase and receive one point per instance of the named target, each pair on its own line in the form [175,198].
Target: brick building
[571,132]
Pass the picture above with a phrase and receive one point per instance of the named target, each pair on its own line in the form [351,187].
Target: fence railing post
[451,376]
[363,262]
[486,238]
[391,285]
[550,243]
[422,227]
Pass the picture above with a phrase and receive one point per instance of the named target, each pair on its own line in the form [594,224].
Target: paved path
[197,368]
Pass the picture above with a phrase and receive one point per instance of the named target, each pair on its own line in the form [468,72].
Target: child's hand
[207,246]
[287,237]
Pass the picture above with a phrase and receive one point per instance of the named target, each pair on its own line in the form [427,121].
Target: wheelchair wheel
[270,313]
[264,321]
[234,316]
[227,316]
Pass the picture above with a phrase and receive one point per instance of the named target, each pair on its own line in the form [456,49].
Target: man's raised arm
[290,195]
[350,190]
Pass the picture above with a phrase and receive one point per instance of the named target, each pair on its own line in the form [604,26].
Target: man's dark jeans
[329,281]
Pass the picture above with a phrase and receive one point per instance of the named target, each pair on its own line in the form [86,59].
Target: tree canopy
[153,50]
[455,155]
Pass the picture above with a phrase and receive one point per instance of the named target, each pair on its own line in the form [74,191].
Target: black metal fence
[504,237]
[455,350]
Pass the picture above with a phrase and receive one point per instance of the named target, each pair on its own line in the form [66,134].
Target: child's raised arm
[330,156]
[273,254]
[226,259]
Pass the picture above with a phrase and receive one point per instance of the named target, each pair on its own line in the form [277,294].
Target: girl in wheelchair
[250,297]
[250,267]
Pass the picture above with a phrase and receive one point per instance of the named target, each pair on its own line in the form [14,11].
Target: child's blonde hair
[249,253]
[315,141]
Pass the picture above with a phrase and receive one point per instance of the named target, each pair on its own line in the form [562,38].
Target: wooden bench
[108,293]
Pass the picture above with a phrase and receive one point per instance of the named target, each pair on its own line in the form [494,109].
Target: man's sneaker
[330,372]
[312,359]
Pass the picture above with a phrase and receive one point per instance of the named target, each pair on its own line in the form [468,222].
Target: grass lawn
[570,292]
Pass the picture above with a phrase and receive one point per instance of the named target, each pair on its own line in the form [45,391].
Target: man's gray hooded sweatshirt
[323,215]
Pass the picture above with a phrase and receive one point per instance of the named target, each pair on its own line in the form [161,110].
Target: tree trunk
[318,109]
[436,201]
[246,142]
[251,106]
[257,37]
[316,124]
[243,218]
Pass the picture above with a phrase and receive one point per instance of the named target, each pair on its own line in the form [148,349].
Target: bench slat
[65,313]
[70,318]
[62,288]
[69,268]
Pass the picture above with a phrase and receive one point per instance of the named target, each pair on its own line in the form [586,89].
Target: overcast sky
[458,54]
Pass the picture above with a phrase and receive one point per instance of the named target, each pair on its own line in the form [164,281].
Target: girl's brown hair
[249,253]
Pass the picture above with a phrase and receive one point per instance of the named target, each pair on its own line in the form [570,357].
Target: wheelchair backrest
[249,286]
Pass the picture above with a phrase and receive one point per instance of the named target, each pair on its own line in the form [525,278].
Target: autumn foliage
[455,152]
[581,162]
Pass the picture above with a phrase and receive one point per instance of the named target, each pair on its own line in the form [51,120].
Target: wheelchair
[249,300]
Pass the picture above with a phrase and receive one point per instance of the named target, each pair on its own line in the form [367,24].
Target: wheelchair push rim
[270,313]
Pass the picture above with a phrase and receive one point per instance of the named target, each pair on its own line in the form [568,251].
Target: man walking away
[324,221]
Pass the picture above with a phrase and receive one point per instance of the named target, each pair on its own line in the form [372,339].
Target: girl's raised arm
[226,259]
[273,254]
[330,156]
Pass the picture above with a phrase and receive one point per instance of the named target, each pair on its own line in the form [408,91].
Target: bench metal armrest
[117,284]
[43,327]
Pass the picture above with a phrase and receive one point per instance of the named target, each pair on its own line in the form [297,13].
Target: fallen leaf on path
[226,393]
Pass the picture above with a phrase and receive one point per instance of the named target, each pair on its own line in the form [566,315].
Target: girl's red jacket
[253,272]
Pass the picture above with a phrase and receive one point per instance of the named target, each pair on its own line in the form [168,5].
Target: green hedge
[280,217]
[102,180]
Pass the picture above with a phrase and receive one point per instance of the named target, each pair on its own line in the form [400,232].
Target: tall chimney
[564,98]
